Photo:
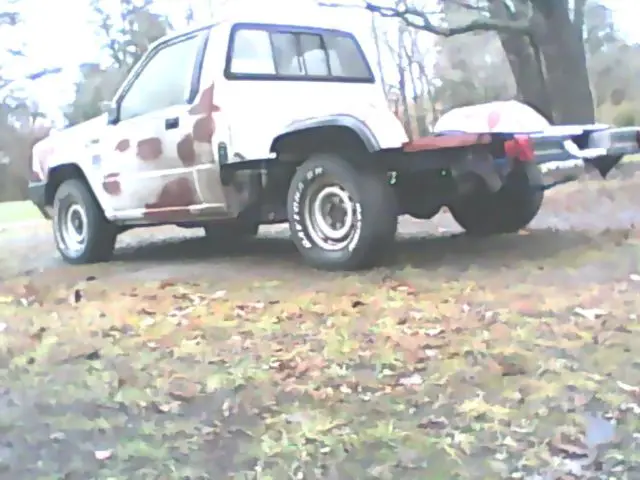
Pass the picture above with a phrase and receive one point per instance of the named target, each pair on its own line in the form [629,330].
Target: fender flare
[79,172]
[347,121]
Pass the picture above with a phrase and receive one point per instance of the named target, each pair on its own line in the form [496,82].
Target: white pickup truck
[280,118]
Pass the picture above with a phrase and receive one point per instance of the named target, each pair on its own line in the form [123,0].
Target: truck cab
[262,119]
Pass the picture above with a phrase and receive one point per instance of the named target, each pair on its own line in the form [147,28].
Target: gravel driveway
[580,212]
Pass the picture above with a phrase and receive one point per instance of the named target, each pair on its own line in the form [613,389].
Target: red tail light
[520,148]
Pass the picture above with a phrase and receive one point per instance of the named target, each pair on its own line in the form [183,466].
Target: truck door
[157,151]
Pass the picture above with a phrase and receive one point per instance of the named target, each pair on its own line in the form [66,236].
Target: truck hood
[85,130]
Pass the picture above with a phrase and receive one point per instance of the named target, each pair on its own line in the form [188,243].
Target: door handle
[171,123]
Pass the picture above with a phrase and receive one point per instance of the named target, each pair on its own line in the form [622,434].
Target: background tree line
[565,57]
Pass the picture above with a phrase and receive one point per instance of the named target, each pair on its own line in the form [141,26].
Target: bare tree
[544,38]
[126,37]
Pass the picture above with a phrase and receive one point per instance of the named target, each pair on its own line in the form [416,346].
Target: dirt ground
[509,357]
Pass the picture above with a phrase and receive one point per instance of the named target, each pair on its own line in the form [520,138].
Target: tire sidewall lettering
[297,215]
[296,208]
[353,243]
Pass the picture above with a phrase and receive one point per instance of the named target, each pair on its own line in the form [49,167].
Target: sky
[66,37]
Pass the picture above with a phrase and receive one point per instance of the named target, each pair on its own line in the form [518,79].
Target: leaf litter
[406,375]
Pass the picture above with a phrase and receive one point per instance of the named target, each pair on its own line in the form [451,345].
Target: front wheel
[508,210]
[81,231]
[341,217]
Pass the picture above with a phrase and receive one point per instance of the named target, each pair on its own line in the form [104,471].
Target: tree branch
[419,19]
[467,6]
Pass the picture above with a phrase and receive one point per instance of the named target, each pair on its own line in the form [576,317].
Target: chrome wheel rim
[71,229]
[330,216]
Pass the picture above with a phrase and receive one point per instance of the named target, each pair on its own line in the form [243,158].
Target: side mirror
[111,109]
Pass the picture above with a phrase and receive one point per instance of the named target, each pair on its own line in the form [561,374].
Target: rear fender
[355,124]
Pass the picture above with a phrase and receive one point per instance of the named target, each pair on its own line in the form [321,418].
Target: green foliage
[11,212]
[626,118]
[626,114]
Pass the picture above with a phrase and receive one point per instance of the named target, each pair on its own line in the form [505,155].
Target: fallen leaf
[511,365]
[76,296]
[628,388]
[413,380]
[590,313]
[103,454]
[57,436]
[38,334]
[433,332]
[434,423]
[569,445]
[182,389]
[171,407]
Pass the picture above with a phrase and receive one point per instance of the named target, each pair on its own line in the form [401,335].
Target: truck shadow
[458,252]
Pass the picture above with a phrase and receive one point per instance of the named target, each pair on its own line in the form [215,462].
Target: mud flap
[480,166]
[604,164]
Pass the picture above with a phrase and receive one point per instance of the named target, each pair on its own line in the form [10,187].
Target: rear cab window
[292,53]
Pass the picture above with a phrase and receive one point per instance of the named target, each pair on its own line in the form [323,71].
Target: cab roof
[301,14]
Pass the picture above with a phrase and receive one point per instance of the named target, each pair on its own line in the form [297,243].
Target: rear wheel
[508,210]
[81,231]
[341,216]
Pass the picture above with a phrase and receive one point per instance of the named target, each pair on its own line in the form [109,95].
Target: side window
[296,54]
[285,53]
[345,57]
[252,53]
[164,81]
[314,56]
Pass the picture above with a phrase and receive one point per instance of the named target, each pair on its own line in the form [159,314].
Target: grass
[523,370]
[13,212]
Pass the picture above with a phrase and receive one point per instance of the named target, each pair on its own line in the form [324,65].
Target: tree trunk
[526,67]
[564,57]
[416,87]
[528,73]
[379,62]
[402,82]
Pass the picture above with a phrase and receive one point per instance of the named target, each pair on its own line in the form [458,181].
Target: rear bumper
[37,195]
[562,160]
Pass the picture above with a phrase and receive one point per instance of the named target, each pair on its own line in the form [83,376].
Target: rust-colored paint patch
[205,104]
[111,184]
[149,149]
[203,129]
[435,142]
[176,193]
[123,145]
[186,151]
